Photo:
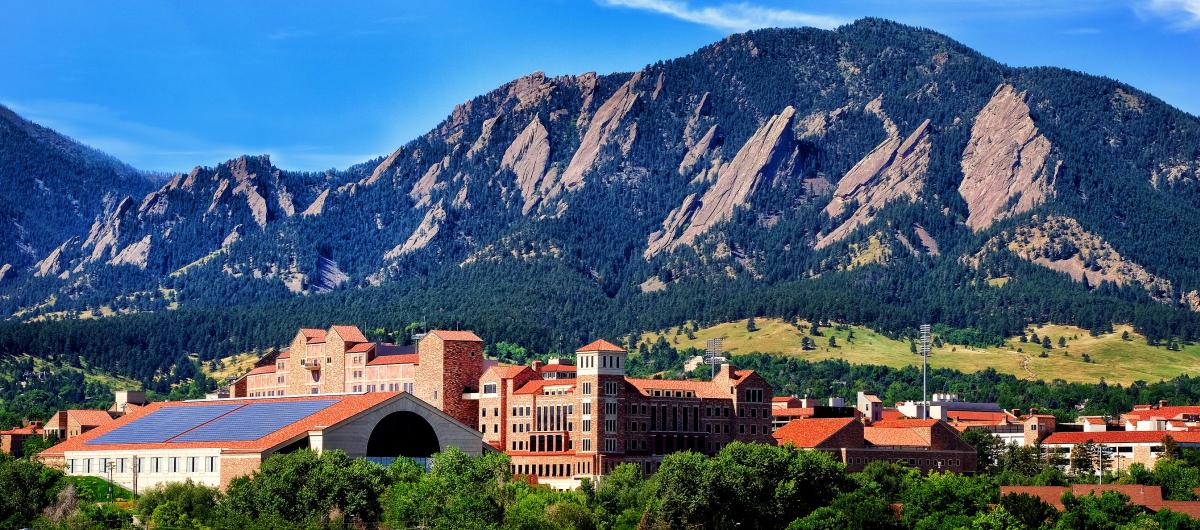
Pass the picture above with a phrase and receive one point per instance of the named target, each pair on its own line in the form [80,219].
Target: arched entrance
[402,434]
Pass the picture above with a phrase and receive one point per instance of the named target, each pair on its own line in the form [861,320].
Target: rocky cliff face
[1005,170]
[767,151]
[772,156]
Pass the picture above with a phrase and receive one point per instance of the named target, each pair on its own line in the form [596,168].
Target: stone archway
[402,433]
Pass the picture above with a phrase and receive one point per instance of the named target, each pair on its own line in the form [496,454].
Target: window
[489,388]
[754,395]
[210,464]
[157,464]
[173,464]
[587,388]
[587,444]
[610,425]
[587,425]
[587,407]
[610,408]
[408,387]
[70,465]
[610,388]
[191,464]
[483,412]
[120,465]
[610,445]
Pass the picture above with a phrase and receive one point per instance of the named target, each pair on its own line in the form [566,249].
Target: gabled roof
[465,336]
[537,385]
[811,432]
[345,407]
[349,333]
[559,368]
[601,345]
[284,354]
[313,335]
[360,347]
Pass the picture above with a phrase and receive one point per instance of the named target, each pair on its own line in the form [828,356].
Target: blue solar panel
[254,421]
[163,424]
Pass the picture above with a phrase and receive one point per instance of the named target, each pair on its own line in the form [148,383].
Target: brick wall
[446,368]
[233,466]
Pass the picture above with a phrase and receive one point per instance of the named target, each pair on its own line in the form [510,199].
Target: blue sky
[169,85]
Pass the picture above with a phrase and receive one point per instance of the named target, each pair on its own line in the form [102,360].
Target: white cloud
[1180,14]
[730,16]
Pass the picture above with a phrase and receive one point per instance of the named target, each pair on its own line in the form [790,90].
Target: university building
[559,422]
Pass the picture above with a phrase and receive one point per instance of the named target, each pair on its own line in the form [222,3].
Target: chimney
[1162,403]
[726,371]
[1033,411]
[537,366]
[1016,412]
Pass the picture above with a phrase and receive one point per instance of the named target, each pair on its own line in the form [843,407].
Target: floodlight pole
[111,465]
[924,370]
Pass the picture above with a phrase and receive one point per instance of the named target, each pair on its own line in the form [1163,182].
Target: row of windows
[390,387]
[143,465]
[927,462]
[266,393]
[552,470]
[678,393]
[545,443]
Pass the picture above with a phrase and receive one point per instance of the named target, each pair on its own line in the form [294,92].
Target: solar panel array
[254,421]
[163,424]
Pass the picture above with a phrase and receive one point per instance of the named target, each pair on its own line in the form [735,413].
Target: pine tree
[832,341]
[1046,342]
[1062,342]
[751,326]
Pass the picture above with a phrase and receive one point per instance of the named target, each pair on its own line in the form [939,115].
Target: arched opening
[402,434]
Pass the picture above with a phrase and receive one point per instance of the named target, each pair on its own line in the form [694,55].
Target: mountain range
[877,173]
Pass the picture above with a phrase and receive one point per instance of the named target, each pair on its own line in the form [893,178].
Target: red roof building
[12,441]
[1149,497]
[213,441]
[928,445]
[558,421]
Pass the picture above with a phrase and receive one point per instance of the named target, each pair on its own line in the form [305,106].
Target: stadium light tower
[712,356]
[924,370]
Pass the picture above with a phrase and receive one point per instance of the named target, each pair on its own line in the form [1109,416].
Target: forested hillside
[876,174]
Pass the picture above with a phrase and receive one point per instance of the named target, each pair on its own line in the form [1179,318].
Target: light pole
[111,465]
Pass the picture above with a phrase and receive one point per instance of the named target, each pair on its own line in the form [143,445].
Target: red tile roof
[801,412]
[905,423]
[873,398]
[346,407]
[810,432]
[28,430]
[1148,496]
[1111,437]
[702,389]
[268,369]
[536,386]
[90,418]
[349,333]
[360,347]
[892,414]
[778,399]
[601,345]
[410,358]
[1161,412]
[1094,420]
[465,336]
[312,335]
[284,354]
[914,436]
[506,371]
[558,368]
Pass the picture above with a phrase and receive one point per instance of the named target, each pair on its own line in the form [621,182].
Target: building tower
[449,364]
[601,388]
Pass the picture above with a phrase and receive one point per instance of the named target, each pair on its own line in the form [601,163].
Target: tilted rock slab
[1004,163]
[894,169]
[735,182]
